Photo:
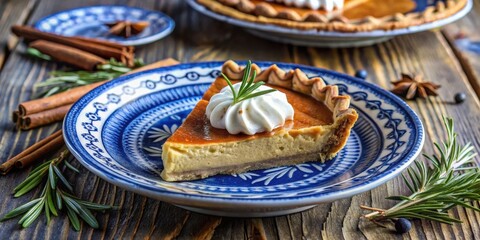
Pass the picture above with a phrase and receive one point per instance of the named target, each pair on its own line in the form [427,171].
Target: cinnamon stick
[101,48]
[47,149]
[101,42]
[15,116]
[72,95]
[9,164]
[64,98]
[70,55]
[43,118]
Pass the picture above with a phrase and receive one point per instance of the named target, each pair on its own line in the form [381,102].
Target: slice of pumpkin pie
[252,119]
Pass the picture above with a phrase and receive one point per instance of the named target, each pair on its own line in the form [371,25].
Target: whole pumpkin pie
[317,130]
[335,15]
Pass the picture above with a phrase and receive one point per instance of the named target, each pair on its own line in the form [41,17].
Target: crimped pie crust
[296,80]
[264,13]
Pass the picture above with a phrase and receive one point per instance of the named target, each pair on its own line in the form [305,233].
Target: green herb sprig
[56,195]
[35,53]
[454,180]
[60,81]
[247,86]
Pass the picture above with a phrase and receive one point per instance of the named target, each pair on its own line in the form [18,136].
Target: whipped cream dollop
[250,116]
[328,5]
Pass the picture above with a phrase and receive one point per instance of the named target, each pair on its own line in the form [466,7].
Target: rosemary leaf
[69,166]
[52,91]
[247,86]
[32,214]
[95,206]
[62,178]
[35,176]
[86,215]
[51,203]
[47,213]
[454,180]
[20,210]
[230,85]
[252,88]
[39,168]
[246,77]
[69,204]
[72,215]
[29,186]
[59,201]
[35,53]
[256,94]
[398,198]
[51,177]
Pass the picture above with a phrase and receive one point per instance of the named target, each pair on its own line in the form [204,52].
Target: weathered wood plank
[12,12]
[198,38]
[464,38]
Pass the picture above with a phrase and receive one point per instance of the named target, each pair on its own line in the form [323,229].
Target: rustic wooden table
[436,54]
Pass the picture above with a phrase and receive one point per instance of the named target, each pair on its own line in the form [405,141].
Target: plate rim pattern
[187,199]
[133,42]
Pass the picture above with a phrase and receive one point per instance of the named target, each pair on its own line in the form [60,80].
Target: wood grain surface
[199,38]
[12,12]
[464,38]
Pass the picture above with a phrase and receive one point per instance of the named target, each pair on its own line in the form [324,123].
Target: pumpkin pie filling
[353,9]
[320,127]
[197,130]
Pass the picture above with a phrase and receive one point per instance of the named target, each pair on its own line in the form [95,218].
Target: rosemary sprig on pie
[56,196]
[454,180]
[247,87]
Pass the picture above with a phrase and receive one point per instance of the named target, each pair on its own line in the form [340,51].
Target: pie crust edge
[264,13]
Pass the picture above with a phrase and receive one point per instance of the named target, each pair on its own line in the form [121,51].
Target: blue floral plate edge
[204,202]
[137,42]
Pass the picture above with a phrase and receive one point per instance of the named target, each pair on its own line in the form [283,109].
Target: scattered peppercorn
[362,73]
[460,97]
[402,225]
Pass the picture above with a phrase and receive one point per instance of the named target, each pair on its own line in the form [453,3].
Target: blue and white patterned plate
[331,39]
[90,22]
[117,131]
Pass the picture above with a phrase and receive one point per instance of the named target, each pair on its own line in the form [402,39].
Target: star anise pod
[412,86]
[126,28]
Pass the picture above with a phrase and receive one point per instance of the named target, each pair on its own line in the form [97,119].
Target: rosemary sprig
[60,81]
[454,180]
[247,86]
[56,196]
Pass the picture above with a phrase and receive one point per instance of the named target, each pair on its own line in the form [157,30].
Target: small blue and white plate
[117,131]
[90,22]
[332,39]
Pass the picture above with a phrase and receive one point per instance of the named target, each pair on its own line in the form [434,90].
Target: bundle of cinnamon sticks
[43,111]
[47,110]
[84,53]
